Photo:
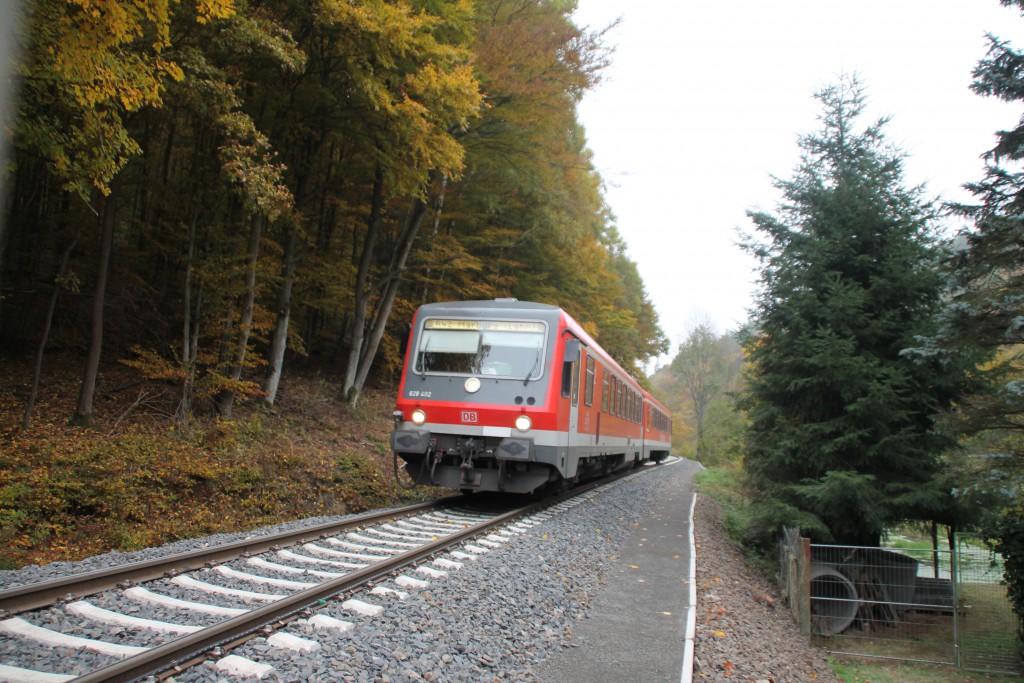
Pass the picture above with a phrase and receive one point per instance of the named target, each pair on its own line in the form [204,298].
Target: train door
[571,386]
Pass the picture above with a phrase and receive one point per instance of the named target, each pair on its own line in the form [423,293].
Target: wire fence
[928,605]
[986,624]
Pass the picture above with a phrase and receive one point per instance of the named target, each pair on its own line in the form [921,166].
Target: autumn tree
[294,174]
[841,439]
[86,68]
[528,219]
[87,65]
[706,370]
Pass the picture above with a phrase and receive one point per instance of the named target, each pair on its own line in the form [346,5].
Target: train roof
[489,304]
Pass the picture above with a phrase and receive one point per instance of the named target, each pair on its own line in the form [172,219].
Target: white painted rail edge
[691,612]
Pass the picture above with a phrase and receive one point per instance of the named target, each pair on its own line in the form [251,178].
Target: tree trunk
[58,284]
[279,342]
[439,208]
[83,414]
[227,399]
[189,338]
[362,290]
[393,279]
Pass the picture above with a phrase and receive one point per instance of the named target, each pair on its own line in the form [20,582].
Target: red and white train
[514,396]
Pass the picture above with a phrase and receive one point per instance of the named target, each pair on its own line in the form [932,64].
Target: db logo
[469,416]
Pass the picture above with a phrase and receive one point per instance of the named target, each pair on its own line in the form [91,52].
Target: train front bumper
[517,449]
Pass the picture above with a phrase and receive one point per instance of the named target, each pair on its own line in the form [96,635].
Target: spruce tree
[985,318]
[840,439]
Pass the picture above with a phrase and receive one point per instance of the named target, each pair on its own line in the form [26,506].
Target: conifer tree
[841,439]
[984,318]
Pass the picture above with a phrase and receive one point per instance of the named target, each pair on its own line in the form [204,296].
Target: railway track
[238,591]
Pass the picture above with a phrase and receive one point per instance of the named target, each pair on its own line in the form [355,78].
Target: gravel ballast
[498,617]
[744,630]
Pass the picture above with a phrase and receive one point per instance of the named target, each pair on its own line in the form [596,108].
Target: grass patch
[852,670]
[727,485]
[987,627]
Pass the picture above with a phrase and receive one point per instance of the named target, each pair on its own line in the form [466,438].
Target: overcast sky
[705,100]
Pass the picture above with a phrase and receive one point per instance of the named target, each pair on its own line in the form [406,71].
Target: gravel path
[744,629]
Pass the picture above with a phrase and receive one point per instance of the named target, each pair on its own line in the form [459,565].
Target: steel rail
[231,632]
[237,628]
[46,593]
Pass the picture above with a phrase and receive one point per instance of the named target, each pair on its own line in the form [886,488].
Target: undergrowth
[139,477]
[726,484]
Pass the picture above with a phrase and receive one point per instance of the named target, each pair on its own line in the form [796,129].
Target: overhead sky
[704,102]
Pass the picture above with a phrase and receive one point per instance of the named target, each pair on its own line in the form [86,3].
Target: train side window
[588,392]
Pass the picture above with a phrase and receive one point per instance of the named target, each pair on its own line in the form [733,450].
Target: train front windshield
[498,348]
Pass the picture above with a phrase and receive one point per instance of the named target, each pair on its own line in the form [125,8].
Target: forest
[219,217]
[213,192]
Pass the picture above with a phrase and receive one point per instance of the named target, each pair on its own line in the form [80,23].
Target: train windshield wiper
[536,362]
[423,359]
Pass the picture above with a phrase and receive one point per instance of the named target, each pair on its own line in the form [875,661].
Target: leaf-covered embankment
[138,479]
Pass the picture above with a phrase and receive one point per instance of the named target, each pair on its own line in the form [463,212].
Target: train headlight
[524,423]
[418,417]
[472,385]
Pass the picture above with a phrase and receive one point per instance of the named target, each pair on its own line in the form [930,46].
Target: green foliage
[707,367]
[983,324]
[728,486]
[723,433]
[841,439]
[1010,543]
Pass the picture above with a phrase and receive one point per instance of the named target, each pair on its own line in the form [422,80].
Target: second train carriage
[514,396]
